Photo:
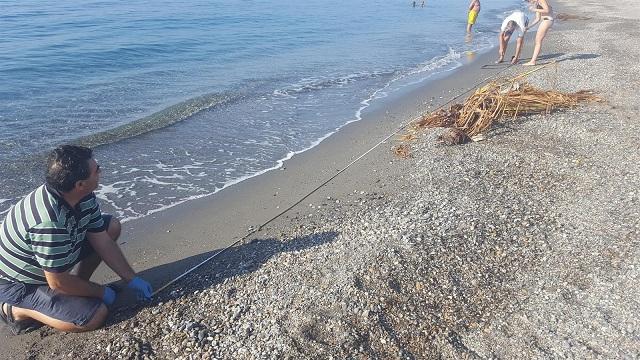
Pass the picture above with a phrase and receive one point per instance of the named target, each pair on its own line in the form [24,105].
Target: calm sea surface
[182,99]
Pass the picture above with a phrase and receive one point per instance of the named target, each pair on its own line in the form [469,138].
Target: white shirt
[520,19]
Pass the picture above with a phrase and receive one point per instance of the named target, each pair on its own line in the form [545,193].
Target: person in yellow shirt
[474,9]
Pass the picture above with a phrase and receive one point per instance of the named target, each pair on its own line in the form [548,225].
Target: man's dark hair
[66,165]
[510,28]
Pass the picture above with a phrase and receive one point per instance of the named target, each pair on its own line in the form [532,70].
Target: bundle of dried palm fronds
[440,118]
[498,101]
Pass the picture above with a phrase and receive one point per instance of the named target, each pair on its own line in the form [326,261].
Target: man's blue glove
[143,289]
[109,295]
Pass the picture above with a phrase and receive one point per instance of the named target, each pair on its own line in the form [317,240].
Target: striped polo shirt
[42,232]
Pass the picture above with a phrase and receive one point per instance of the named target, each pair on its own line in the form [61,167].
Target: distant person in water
[474,9]
[516,22]
[422,4]
[544,16]
[52,241]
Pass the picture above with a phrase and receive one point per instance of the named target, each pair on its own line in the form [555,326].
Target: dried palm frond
[495,102]
[440,117]
[498,101]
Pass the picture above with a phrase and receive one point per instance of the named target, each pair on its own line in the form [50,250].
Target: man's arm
[73,285]
[55,270]
[111,254]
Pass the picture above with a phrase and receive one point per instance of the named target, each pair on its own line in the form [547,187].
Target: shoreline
[524,245]
[365,106]
[117,132]
[251,202]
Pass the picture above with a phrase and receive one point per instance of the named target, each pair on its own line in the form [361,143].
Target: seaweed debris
[498,102]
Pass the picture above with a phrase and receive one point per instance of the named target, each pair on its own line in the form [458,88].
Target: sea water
[180,99]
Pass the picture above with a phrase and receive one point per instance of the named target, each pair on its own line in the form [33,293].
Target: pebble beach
[521,246]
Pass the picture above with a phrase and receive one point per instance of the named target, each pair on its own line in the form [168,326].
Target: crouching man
[52,241]
[517,21]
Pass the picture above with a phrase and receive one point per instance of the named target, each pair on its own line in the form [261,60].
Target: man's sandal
[17,327]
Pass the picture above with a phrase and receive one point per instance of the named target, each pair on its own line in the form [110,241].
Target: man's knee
[96,321]
[114,229]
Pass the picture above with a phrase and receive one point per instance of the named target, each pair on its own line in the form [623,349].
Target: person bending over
[517,21]
[544,16]
[52,241]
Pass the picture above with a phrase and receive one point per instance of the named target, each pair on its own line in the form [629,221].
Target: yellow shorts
[473,15]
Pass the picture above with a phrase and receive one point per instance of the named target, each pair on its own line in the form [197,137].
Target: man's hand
[143,289]
[109,296]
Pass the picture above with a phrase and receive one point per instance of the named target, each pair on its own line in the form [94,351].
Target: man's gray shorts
[77,310]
